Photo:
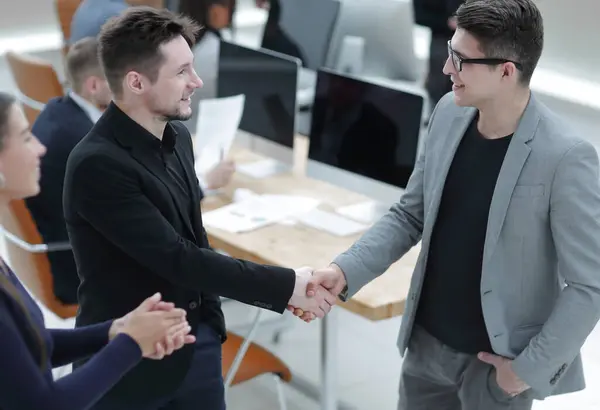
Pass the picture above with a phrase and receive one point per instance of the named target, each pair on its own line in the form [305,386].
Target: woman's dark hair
[6,103]
[198,10]
[32,334]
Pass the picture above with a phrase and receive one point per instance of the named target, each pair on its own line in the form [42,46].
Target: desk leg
[329,361]
[326,392]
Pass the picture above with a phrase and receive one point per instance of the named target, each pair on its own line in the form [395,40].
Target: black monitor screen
[301,29]
[365,128]
[269,82]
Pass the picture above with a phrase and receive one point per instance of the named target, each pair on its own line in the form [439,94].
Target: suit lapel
[455,133]
[187,163]
[154,165]
[516,156]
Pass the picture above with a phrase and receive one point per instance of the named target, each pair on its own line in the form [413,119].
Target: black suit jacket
[131,238]
[60,126]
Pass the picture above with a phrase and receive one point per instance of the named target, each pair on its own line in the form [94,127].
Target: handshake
[316,291]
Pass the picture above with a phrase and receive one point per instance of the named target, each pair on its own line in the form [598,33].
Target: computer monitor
[365,128]
[301,29]
[386,30]
[269,82]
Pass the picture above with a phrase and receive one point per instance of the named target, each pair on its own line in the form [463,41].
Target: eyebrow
[184,65]
[457,52]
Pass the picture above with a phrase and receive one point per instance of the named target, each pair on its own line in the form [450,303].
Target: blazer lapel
[187,163]
[155,166]
[516,156]
[455,133]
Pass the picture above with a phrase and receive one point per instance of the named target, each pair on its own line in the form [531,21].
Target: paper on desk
[216,127]
[258,169]
[258,211]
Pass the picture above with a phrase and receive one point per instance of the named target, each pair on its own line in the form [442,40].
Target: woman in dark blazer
[29,351]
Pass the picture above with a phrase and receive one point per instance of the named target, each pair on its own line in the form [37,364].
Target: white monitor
[386,27]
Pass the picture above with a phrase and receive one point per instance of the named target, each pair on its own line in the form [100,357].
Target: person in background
[438,15]
[92,14]
[60,126]
[29,351]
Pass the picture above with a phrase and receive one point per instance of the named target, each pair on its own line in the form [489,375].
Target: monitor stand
[367,212]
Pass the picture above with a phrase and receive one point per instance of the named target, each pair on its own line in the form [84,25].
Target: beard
[177,116]
[174,115]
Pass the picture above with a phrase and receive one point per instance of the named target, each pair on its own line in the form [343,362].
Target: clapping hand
[171,329]
[314,301]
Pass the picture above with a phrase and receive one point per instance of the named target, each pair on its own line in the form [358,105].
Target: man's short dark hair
[510,29]
[81,62]
[132,40]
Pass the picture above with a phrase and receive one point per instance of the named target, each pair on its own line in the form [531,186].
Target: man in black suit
[132,210]
[60,126]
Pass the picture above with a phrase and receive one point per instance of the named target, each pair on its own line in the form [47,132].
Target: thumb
[490,358]
[312,286]
[149,303]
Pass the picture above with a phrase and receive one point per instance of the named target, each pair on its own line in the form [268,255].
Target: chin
[461,101]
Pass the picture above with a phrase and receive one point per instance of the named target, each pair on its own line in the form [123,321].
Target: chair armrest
[36,248]
[36,105]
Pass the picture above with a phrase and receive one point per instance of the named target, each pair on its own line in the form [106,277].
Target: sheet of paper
[262,168]
[258,211]
[216,127]
[332,223]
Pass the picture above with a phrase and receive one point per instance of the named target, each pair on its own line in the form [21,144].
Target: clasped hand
[316,292]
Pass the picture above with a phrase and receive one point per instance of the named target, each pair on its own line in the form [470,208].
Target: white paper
[331,223]
[258,211]
[261,169]
[216,127]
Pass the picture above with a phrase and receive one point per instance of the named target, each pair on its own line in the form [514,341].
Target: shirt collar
[90,109]
[130,133]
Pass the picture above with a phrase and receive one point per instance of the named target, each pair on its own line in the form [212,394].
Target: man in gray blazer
[505,200]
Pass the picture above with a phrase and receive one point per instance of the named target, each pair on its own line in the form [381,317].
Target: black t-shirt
[450,304]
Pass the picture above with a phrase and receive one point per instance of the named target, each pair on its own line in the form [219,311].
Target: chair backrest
[65,10]
[33,269]
[36,80]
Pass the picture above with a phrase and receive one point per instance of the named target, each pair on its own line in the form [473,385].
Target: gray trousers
[436,377]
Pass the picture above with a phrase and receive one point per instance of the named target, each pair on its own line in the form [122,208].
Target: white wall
[27,16]
[572,44]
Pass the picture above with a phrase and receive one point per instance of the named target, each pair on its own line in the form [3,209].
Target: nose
[41,149]
[197,81]
[448,68]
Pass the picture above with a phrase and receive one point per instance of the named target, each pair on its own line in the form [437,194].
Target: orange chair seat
[256,362]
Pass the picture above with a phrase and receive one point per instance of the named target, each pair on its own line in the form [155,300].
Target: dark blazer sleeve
[71,345]
[106,193]
[24,386]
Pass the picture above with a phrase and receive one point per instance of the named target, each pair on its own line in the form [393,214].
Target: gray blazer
[540,284]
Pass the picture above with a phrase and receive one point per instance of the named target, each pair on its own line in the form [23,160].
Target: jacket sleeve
[575,225]
[71,345]
[392,236]
[105,192]
[25,387]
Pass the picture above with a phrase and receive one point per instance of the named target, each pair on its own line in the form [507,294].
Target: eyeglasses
[458,61]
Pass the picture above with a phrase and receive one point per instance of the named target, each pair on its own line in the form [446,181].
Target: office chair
[36,81]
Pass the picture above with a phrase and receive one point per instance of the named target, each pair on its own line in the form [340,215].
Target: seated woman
[29,351]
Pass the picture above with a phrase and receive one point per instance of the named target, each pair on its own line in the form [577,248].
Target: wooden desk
[298,245]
